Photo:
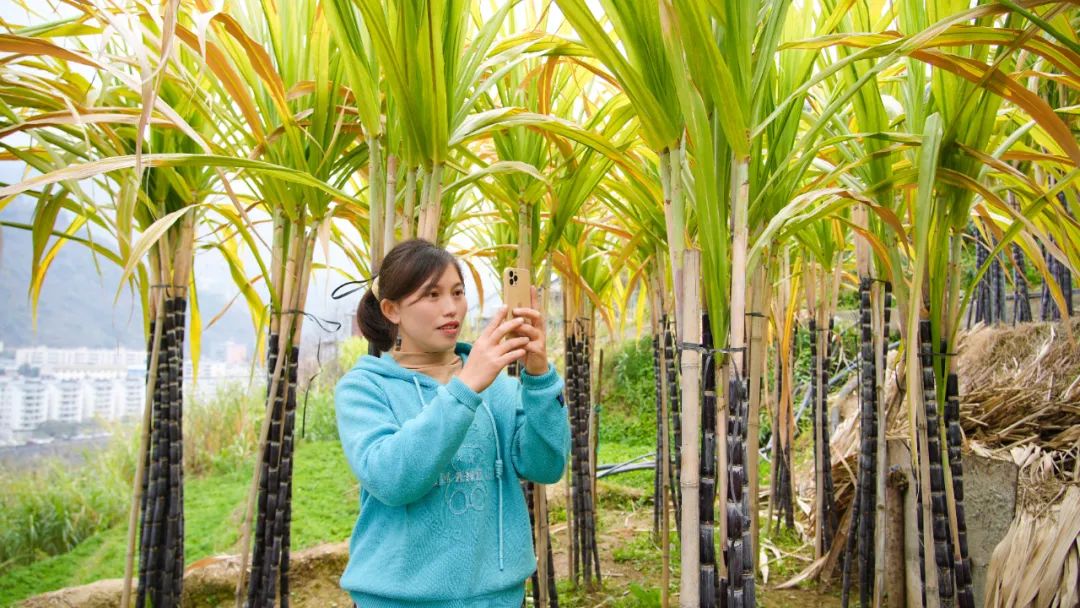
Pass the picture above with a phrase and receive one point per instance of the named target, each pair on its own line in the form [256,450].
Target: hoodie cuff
[461,391]
[544,380]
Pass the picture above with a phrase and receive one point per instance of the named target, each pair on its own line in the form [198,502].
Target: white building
[80,385]
[53,360]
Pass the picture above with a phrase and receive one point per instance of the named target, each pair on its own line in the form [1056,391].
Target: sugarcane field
[540,303]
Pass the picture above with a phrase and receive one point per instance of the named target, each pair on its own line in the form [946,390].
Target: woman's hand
[536,359]
[489,354]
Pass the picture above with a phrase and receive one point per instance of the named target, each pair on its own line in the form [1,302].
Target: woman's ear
[389,310]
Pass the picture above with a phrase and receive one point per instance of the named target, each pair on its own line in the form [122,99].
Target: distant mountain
[76,305]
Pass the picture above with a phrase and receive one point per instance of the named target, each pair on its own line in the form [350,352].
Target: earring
[397,342]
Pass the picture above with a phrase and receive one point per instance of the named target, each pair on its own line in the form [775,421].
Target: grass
[325,505]
[213,506]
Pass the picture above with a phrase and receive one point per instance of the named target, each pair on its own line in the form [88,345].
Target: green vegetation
[86,508]
[324,509]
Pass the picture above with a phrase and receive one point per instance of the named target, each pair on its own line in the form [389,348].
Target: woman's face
[430,320]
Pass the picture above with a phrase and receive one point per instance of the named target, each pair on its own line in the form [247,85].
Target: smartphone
[516,292]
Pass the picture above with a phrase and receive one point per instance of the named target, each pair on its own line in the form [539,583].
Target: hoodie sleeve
[399,463]
[541,428]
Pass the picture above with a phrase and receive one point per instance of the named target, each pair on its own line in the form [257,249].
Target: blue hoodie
[443,521]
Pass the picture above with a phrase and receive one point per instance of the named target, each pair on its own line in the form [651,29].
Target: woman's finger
[495,321]
[505,328]
[529,330]
[510,357]
[531,313]
[510,344]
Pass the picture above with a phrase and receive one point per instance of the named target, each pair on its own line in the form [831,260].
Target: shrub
[628,408]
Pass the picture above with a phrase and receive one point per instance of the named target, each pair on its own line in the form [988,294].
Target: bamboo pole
[690,332]
[759,298]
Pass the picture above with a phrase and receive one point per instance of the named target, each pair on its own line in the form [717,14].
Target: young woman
[438,438]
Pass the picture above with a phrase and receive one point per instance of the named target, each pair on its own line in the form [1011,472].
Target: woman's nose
[449,307]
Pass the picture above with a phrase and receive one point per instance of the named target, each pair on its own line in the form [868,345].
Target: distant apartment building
[79,385]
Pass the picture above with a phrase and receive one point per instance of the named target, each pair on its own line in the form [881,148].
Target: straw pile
[1019,389]
[1021,386]
[1044,538]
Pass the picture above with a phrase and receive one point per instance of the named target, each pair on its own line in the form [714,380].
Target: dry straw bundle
[1021,386]
[1020,394]
[1037,564]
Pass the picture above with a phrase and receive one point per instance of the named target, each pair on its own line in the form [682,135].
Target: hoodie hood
[385,365]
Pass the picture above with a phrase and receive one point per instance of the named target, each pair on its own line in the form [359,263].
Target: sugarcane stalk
[275,363]
[590,504]
[757,357]
[882,312]
[409,219]
[571,471]
[675,407]
[962,563]
[671,164]
[665,480]
[739,545]
[658,473]
[431,207]
[938,501]
[280,549]
[376,198]
[710,583]
[390,213]
[157,314]
[831,518]
[783,434]
[921,535]
[260,591]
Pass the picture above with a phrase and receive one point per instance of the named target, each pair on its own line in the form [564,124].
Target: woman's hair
[411,265]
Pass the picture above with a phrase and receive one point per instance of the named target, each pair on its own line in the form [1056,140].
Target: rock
[313,582]
[989,506]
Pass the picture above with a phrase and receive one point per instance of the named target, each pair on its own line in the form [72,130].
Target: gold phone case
[516,293]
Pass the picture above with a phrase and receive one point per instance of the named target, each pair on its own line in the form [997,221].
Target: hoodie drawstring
[498,463]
